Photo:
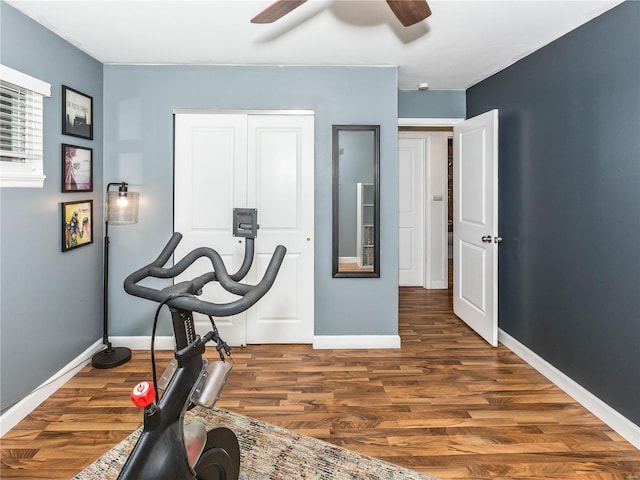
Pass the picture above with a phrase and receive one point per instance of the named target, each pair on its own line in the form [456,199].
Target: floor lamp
[121,208]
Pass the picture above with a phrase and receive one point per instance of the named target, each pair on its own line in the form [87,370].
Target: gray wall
[569,266]
[139,101]
[431,104]
[51,304]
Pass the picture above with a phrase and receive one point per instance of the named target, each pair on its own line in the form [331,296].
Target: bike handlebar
[250,294]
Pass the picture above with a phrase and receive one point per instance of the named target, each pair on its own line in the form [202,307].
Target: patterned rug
[269,452]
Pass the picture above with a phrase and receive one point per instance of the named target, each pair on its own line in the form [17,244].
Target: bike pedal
[210,385]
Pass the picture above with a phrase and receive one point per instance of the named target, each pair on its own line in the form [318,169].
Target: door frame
[428,122]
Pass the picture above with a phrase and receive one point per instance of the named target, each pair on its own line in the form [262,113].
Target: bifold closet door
[226,161]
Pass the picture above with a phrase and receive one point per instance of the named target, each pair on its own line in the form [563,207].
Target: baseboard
[24,407]
[144,343]
[618,422]
[355,341]
[348,260]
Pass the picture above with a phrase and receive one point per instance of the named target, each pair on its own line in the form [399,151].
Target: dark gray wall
[431,104]
[139,101]
[569,267]
[51,301]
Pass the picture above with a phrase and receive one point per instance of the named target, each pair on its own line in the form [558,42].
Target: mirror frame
[336,129]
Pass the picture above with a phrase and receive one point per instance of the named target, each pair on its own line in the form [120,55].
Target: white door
[475,224]
[281,187]
[411,154]
[224,161]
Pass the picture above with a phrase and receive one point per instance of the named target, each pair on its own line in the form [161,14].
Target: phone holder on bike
[167,449]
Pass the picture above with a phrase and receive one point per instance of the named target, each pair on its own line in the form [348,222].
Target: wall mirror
[356,201]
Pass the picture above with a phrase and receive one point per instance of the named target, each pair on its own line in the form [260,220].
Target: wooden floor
[445,404]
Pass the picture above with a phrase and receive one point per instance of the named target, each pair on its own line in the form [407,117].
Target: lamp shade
[122,209]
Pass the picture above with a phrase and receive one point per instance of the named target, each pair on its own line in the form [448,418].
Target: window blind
[20,124]
[21,127]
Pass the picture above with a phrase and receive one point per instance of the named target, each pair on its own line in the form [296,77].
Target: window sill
[22,181]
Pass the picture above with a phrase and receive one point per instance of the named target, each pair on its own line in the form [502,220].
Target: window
[21,121]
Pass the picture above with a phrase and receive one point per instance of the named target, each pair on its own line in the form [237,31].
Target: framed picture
[77,168]
[77,113]
[77,224]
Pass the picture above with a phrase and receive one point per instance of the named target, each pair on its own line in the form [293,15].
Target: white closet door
[210,180]
[280,152]
[226,161]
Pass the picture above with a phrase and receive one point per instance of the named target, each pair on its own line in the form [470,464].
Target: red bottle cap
[142,394]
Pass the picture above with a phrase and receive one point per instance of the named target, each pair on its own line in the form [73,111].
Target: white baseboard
[24,407]
[356,341]
[348,260]
[144,343]
[618,422]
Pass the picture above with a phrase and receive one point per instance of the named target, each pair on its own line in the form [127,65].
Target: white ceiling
[461,43]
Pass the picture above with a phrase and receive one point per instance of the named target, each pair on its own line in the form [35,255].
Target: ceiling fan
[407,11]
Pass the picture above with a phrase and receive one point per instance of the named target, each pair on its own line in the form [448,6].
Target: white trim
[355,341]
[209,111]
[15,180]
[429,122]
[347,260]
[144,343]
[26,81]
[618,422]
[24,407]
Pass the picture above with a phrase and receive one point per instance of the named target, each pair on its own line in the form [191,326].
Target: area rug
[269,452]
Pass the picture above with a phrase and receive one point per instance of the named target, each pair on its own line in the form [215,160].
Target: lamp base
[111,357]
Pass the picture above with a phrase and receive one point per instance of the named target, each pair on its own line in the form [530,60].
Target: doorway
[424,155]
[475,221]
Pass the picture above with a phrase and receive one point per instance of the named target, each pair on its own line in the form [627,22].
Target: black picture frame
[77,224]
[77,168]
[77,113]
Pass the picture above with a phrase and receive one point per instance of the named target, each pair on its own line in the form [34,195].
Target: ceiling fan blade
[410,11]
[276,11]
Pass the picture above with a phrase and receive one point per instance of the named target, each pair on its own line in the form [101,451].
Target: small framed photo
[77,224]
[77,113]
[77,168]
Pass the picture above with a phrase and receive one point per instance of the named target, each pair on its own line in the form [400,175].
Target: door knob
[487,239]
[497,239]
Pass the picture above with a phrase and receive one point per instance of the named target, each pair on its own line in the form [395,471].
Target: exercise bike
[167,449]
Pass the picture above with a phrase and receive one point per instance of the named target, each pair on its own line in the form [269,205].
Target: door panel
[472,291]
[475,224]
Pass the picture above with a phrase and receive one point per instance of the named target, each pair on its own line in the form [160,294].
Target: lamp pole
[111,356]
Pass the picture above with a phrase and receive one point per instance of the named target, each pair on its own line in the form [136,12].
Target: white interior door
[281,185]
[475,224]
[411,155]
[226,161]
[210,180]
